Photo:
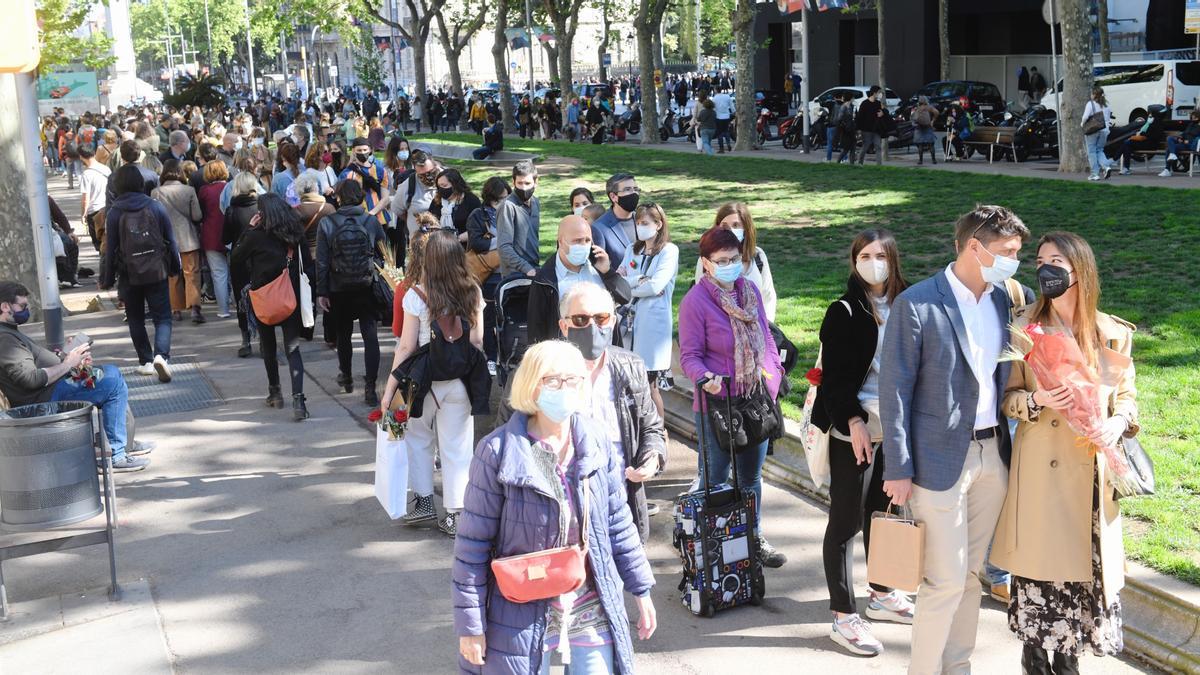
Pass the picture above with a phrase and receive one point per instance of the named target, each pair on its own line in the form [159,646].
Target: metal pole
[250,51]
[805,70]
[208,31]
[392,45]
[529,39]
[39,210]
[1054,67]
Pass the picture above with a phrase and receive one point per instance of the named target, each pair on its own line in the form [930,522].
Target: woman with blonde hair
[735,217]
[445,424]
[1059,533]
[541,481]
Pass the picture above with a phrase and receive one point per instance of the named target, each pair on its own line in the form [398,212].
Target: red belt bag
[545,574]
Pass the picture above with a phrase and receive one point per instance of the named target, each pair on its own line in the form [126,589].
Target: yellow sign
[657,77]
[19,51]
[1191,17]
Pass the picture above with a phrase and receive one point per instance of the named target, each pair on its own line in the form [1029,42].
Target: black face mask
[445,192]
[1053,280]
[592,340]
[524,194]
[362,157]
[628,202]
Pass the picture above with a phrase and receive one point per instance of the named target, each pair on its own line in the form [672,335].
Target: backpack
[352,258]
[846,123]
[143,248]
[449,345]
[922,118]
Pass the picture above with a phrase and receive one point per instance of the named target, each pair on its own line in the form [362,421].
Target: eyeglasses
[735,260]
[556,382]
[583,320]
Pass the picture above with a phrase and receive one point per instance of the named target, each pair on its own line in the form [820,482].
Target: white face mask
[739,233]
[872,271]
[646,232]
[1001,269]
[578,210]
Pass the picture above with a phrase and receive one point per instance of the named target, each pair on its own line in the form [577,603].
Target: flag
[383,43]
[546,37]
[823,5]
[518,42]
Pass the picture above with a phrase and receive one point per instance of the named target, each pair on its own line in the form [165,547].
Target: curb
[1162,615]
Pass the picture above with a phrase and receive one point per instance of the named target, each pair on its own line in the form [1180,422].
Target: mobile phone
[76,340]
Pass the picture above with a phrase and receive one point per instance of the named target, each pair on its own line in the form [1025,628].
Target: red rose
[814,377]
[400,416]
[375,415]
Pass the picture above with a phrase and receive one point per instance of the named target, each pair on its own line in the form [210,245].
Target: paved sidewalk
[264,550]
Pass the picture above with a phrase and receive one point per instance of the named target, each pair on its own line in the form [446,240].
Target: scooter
[674,127]
[791,131]
[1037,133]
[630,120]
[762,126]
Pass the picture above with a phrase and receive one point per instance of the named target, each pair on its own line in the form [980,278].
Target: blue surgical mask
[402,155]
[1001,269]
[577,254]
[739,233]
[727,274]
[558,404]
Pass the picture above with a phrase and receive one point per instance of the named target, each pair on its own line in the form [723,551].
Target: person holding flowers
[1060,529]
[847,408]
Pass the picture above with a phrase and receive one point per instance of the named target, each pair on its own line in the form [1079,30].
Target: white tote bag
[306,303]
[60,249]
[815,441]
[391,474]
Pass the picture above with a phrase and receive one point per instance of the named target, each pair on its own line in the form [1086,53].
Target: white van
[1132,86]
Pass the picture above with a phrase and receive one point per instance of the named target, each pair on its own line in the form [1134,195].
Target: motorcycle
[762,126]
[792,131]
[631,120]
[1037,133]
[816,128]
[674,127]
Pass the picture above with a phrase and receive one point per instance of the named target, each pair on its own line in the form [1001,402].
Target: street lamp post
[208,32]
[250,51]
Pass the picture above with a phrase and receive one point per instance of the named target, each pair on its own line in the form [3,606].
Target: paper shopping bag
[391,474]
[306,303]
[897,556]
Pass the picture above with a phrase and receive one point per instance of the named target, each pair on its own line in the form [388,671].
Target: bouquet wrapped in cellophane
[388,269]
[1056,360]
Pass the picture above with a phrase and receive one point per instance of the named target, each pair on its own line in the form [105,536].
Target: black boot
[371,397]
[1066,664]
[245,351]
[274,397]
[299,410]
[1035,661]
[345,381]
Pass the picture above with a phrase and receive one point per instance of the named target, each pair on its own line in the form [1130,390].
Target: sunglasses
[583,320]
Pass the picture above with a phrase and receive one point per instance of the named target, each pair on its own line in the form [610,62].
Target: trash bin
[47,466]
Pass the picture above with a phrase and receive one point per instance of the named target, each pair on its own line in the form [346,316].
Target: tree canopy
[59,20]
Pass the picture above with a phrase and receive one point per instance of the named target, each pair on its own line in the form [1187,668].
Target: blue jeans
[1097,160]
[584,661]
[159,298]
[482,152]
[750,461]
[706,136]
[829,132]
[111,395]
[218,264]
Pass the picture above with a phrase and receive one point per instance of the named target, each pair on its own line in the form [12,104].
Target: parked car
[593,89]
[981,97]
[1131,87]
[857,94]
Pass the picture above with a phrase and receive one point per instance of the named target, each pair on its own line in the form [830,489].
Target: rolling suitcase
[716,535]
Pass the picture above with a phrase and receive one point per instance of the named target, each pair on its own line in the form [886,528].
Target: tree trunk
[18,258]
[606,22]
[743,37]
[1102,27]
[660,65]
[944,37]
[879,29]
[500,59]
[645,44]
[1077,83]
[551,65]
[566,38]
[418,49]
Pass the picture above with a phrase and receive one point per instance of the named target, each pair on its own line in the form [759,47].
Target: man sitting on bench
[1187,141]
[30,373]
[1148,137]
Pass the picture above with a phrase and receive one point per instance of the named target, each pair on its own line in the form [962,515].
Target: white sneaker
[855,635]
[894,607]
[1172,157]
[1094,177]
[1165,173]
[163,368]
[145,369]
[1125,172]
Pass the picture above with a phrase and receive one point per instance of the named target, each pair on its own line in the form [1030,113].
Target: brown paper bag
[897,557]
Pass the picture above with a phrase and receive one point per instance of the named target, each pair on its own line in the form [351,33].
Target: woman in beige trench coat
[1059,533]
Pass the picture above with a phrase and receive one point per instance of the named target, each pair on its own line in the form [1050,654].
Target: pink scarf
[748,342]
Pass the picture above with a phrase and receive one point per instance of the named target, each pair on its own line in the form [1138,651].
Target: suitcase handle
[704,396]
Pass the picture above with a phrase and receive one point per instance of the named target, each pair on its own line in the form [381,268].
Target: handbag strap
[584,515]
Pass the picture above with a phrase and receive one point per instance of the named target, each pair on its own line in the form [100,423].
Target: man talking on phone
[30,373]
[577,260]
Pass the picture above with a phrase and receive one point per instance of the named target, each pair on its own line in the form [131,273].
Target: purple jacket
[706,338]
[510,510]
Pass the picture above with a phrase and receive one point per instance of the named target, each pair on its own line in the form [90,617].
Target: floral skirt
[1068,617]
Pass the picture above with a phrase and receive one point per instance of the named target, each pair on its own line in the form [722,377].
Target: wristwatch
[1034,409]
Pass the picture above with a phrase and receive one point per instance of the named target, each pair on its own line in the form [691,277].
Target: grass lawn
[1146,239]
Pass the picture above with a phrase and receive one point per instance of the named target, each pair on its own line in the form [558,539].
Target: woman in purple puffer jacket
[525,495]
[723,335]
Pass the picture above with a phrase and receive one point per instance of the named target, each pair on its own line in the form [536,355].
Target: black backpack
[143,247]
[352,257]
[449,346]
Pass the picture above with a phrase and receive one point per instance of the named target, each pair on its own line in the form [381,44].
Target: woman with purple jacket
[723,335]
[526,495]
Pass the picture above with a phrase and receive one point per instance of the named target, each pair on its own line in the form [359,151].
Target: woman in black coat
[275,241]
[481,240]
[847,407]
[243,206]
[454,202]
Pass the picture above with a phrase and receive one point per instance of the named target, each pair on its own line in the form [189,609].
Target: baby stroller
[512,324]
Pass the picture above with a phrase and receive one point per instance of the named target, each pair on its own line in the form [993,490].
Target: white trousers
[446,426]
[959,523]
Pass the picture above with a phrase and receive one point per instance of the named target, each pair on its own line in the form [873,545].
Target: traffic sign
[1191,17]
[606,60]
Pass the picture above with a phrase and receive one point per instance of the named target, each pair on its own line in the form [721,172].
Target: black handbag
[1140,481]
[749,420]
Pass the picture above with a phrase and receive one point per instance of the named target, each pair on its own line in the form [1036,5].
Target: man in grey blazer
[945,443]
[615,231]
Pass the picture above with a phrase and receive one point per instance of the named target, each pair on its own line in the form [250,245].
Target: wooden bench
[994,137]
[1148,153]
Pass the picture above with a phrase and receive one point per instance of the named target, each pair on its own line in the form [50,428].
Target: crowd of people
[920,407]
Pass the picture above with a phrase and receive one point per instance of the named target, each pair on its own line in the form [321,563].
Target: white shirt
[93,182]
[984,338]
[604,406]
[414,305]
[722,105]
[567,279]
